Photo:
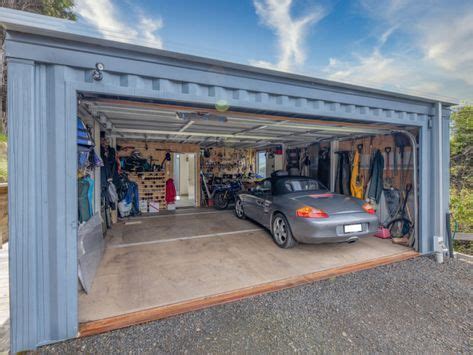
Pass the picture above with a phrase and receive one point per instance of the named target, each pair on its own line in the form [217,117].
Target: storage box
[143,206]
[153,207]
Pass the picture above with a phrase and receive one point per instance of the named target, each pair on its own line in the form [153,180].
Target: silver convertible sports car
[300,209]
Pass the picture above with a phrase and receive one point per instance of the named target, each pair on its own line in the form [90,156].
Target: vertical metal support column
[440,203]
[24,196]
[42,205]
[440,166]
[425,190]
[97,182]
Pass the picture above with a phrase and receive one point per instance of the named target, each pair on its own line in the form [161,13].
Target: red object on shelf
[170,191]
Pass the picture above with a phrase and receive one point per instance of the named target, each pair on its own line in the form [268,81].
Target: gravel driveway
[414,306]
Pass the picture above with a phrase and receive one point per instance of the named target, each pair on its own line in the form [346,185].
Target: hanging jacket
[356,185]
[342,179]
[85,212]
[376,176]
[323,171]
[170,191]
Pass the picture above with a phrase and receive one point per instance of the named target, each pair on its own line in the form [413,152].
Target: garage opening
[176,204]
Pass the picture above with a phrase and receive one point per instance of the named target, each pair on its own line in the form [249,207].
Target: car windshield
[288,185]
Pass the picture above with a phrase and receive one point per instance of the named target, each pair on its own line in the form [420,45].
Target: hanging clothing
[109,170]
[356,184]
[170,191]
[84,204]
[314,153]
[342,179]
[323,169]
[376,176]
[90,193]
[129,205]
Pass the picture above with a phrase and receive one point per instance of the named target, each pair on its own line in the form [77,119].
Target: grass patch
[463,246]
[461,207]
[3,170]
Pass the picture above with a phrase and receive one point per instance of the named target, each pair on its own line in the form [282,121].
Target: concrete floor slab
[139,277]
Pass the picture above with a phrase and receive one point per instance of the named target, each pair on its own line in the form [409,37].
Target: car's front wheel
[281,232]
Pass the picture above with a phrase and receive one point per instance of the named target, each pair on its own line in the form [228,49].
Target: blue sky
[421,47]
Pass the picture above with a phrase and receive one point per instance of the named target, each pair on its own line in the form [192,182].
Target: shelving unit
[151,186]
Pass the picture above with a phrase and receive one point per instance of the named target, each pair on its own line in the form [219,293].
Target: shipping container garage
[145,183]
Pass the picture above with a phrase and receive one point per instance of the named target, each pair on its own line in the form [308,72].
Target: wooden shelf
[151,186]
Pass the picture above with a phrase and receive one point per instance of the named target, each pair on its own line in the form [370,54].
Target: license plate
[352,228]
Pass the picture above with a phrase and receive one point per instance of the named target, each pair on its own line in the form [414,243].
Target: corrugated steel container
[50,61]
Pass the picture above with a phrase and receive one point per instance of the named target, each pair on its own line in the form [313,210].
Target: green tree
[461,172]
[55,8]
[461,147]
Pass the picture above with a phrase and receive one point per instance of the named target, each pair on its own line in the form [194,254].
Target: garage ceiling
[128,119]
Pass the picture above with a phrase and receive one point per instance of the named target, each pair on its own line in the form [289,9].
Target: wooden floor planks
[126,320]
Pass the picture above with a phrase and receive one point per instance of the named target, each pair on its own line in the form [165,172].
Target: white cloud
[449,44]
[107,19]
[436,54]
[290,31]
[443,31]
[373,68]
[148,28]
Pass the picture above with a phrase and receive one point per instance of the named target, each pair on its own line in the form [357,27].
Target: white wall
[184,174]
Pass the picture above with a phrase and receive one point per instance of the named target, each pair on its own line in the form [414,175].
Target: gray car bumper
[331,230]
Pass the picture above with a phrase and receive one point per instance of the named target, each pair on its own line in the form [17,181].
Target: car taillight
[369,208]
[310,212]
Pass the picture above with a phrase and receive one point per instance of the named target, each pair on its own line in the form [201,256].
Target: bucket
[383,233]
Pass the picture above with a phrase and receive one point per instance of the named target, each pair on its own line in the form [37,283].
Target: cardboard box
[153,207]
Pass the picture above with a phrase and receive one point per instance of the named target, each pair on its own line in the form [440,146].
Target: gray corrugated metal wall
[42,208]
[42,108]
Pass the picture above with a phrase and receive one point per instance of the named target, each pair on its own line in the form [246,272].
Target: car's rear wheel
[239,212]
[281,232]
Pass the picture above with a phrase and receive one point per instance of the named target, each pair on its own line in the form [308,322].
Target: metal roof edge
[31,23]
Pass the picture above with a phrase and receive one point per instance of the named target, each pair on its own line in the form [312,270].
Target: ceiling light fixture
[202,116]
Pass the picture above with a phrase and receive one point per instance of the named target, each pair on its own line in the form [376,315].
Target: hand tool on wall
[167,157]
[388,180]
[401,141]
[395,161]
[370,167]
[356,183]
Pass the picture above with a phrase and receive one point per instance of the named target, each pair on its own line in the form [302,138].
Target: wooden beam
[152,314]
[464,236]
